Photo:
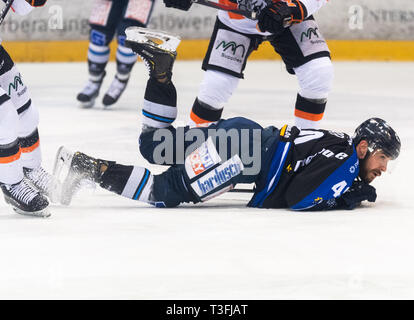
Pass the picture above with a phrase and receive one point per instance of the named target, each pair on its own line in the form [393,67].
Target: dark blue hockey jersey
[304,169]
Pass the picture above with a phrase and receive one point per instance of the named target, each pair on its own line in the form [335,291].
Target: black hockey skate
[89,94]
[80,168]
[44,182]
[156,48]
[25,199]
[115,91]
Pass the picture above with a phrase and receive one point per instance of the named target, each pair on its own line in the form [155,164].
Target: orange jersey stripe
[31,148]
[197,119]
[11,158]
[232,15]
[308,116]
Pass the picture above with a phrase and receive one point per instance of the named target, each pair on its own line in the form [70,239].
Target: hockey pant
[224,65]
[108,18]
[19,138]
[203,162]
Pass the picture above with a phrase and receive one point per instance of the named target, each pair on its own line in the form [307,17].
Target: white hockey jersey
[21,7]
[245,25]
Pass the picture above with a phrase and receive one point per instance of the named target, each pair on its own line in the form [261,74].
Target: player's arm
[280,14]
[352,198]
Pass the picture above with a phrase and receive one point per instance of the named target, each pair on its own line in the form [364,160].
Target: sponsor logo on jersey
[98,38]
[15,84]
[317,200]
[308,34]
[201,159]
[325,152]
[200,162]
[354,168]
[233,46]
[219,176]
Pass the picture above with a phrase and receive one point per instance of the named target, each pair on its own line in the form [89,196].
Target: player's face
[374,165]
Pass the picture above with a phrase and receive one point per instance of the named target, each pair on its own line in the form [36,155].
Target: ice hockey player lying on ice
[298,169]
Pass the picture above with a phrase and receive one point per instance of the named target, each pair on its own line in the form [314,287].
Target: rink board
[365,50]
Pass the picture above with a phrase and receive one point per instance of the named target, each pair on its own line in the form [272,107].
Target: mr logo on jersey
[15,84]
[308,34]
[218,178]
[233,45]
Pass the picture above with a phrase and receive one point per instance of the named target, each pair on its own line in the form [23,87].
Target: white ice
[107,247]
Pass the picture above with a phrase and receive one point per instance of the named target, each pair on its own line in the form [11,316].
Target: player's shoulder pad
[288,133]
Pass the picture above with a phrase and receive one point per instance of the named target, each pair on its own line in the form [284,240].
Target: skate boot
[89,94]
[156,48]
[25,199]
[44,182]
[115,91]
[80,168]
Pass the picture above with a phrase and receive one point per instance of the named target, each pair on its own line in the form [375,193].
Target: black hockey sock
[203,113]
[123,70]
[125,59]
[160,104]
[96,70]
[161,93]
[132,182]
[309,109]
[29,143]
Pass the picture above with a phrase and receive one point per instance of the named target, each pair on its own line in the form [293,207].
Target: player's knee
[217,88]
[8,122]
[28,121]
[315,78]
[147,144]
[100,36]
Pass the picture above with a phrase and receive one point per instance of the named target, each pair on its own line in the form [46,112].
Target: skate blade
[63,160]
[39,214]
[167,41]
[60,172]
[87,105]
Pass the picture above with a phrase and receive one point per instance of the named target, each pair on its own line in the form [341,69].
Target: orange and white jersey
[248,26]
[21,7]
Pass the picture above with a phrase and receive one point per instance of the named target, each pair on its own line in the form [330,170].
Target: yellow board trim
[63,51]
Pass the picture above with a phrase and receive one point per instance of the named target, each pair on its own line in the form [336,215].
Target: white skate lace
[146,63]
[90,88]
[116,88]
[41,179]
[23,192]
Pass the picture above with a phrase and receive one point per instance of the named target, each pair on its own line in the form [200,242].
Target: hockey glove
[36,3]
[178,4]
[281,14]
[359,191]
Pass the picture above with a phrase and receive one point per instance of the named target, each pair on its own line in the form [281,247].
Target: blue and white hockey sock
[131,182]
[160,105]
[125,60]
[98,57]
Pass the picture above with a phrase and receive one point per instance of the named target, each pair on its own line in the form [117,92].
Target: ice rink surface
[107,247]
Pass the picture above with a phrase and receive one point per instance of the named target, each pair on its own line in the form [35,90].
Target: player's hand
[178,4]
[36,3]
[280,14]
[359,191]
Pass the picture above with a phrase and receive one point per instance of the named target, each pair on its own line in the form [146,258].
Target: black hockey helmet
[379,135]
